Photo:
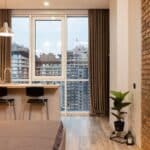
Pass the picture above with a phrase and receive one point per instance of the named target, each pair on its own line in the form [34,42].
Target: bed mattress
[32,135]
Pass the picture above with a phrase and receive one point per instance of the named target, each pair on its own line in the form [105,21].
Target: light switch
[134,85]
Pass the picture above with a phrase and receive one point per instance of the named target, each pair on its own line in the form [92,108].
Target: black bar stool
[7,101]
[36,94]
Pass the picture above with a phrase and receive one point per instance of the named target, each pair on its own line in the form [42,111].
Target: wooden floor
[90,133]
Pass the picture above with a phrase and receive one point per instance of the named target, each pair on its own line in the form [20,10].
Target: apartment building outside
[50,65]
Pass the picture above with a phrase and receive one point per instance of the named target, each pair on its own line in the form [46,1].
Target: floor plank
[90,133]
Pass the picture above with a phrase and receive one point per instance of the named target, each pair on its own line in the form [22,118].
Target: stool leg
[14,110]
[47,110]
[30,109]
[24,107]
[9,108]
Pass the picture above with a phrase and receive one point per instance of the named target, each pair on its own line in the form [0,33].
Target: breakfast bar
[38,132]
[18,92]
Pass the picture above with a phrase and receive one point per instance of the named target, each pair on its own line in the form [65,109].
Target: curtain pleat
[5,46]
[99,61]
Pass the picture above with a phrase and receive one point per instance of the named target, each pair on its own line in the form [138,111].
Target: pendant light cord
[6,10]
[6,4]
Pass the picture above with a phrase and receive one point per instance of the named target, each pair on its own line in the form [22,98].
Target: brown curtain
[5,45]
[99,61]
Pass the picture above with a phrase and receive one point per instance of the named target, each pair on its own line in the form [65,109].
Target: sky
[48,33]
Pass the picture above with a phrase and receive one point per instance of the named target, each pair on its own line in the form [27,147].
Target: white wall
[119,50]
[113,50]
[125,57]
[135,66]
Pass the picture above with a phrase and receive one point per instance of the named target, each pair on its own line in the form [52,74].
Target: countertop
[11,85]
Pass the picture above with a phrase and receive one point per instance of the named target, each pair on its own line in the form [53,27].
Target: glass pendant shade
[5,31]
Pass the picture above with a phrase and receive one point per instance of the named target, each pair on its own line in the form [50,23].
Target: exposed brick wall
[146,74]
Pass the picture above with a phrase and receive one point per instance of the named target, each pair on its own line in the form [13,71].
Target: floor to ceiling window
[53,50]
[20,50]
[77,64]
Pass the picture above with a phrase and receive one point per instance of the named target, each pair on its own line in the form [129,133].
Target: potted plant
[118,98]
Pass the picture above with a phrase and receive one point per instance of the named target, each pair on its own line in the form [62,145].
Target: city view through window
[48,48]
[48,56]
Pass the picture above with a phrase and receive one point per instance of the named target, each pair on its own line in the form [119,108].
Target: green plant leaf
[118,104]
[123,113]
[125,104]
[116,94]
[124,95]
[113,98]
[117,116]
[114,108]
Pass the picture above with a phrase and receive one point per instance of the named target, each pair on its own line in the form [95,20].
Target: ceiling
[54,4]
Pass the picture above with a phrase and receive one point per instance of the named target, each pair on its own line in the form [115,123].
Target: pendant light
[6,31]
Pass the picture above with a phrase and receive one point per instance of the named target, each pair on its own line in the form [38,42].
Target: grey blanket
[31,135]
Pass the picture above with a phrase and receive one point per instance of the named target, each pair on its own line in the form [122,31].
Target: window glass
[20,50]
[77,96]
[48,48]
[77,52]
[50,59]
[77,64]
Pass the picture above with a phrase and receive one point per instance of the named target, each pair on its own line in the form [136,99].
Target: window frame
[63,14]
[48,78]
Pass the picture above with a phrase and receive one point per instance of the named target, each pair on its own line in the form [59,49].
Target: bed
[32,135]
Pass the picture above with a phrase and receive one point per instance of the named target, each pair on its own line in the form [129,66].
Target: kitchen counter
[9,85]
[18,92]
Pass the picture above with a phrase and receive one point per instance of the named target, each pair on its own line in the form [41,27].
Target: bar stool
[36,97]
[8,101]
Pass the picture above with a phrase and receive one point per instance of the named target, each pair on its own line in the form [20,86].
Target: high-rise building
[19,63]
[50,65]
[77,68]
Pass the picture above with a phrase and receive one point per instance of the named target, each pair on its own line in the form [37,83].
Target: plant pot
[119,126]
